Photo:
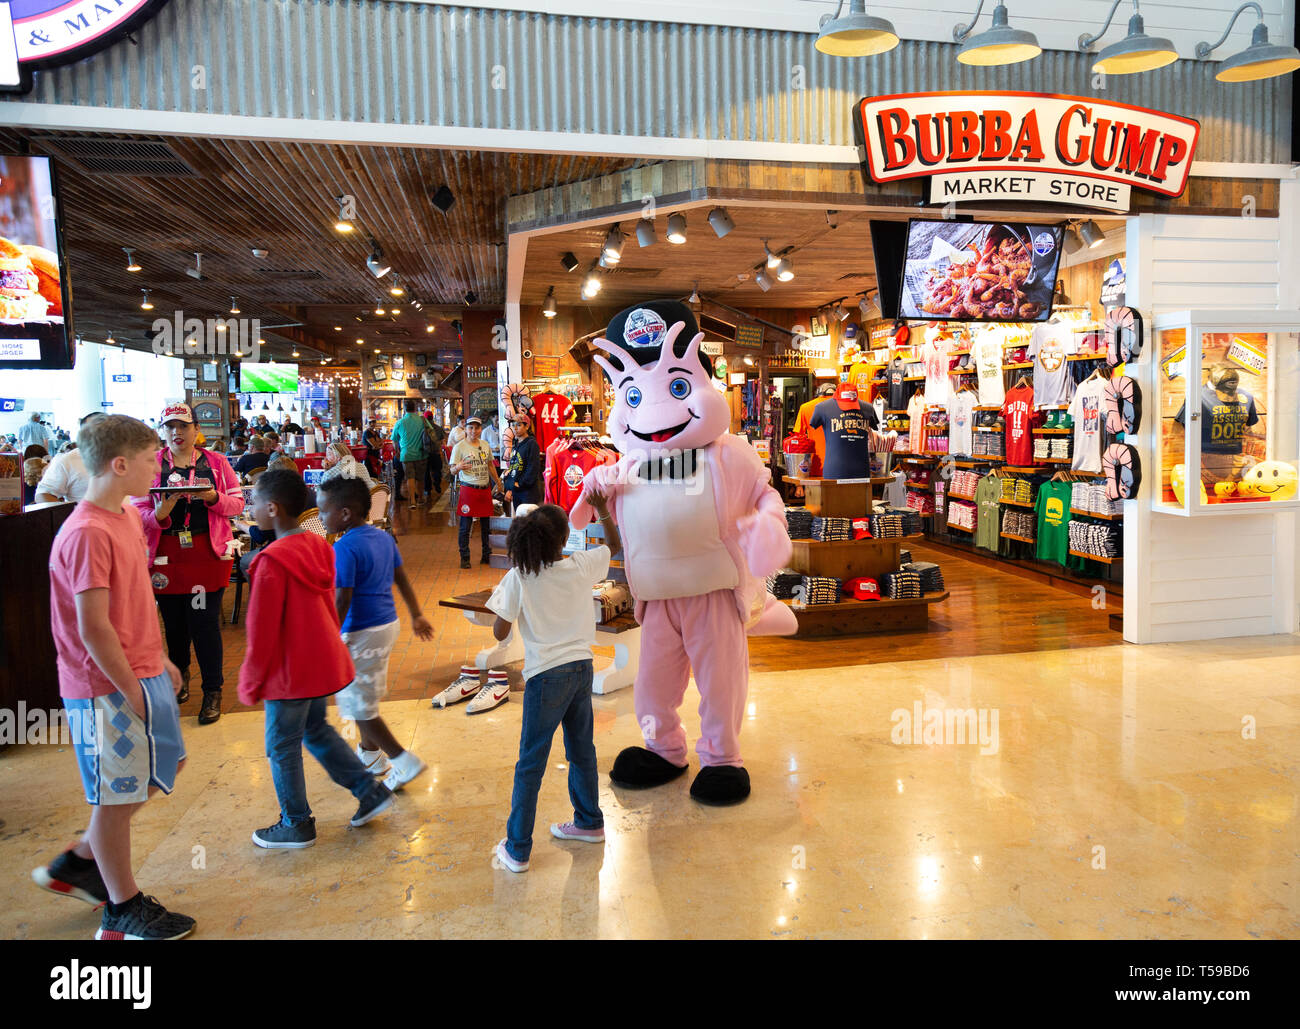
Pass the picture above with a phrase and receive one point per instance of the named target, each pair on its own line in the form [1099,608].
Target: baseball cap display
[847,396]
[862,528]
[176,413]
[862,588]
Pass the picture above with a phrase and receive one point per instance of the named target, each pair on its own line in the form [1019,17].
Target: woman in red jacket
[190,546]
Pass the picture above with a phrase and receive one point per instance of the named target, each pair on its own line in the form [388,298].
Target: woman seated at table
[339,463]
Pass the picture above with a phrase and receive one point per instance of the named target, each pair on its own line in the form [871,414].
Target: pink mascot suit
[702,528]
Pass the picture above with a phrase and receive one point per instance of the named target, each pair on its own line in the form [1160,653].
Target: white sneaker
[376,761]
[405,767]
[496,692]
[465,686]
[501,859]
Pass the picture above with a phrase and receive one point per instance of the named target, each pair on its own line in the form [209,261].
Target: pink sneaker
[501,859]
[569,831]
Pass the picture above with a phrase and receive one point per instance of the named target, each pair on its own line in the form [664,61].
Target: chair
[252,476]
[379,500]
[310,520]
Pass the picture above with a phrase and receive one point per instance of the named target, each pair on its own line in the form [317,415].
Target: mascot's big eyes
[680,388]
[632,397]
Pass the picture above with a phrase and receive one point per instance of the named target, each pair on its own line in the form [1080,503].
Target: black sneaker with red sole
[144,919]
[60,877]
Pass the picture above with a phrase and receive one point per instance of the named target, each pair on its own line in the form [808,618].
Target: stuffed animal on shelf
[1269,480]
[702,527]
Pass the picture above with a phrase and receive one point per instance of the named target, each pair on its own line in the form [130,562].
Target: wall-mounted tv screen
[268,378]
[888,244]
[980,271]
[35,300]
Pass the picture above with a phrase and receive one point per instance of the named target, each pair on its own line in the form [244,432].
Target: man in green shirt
[408,437]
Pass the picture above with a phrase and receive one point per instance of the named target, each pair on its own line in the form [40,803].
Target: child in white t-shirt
[547,597]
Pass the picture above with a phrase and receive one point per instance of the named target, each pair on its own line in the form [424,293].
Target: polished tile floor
[1119,797]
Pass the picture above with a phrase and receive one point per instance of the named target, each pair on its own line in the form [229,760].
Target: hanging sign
[711,348]
[1112,285]
[749,336]
[1031,147]
[546,367]
[47,33]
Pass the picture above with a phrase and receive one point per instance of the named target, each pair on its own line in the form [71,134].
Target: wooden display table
[851,559]
[616,675]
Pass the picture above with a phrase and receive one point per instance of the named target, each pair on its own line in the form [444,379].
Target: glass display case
[1227,411]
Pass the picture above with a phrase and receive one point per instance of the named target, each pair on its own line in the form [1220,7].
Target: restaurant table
[359,453]
[310,461]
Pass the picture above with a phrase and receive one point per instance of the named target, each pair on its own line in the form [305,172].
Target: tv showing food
[35,303]
[268,378]
[980,271]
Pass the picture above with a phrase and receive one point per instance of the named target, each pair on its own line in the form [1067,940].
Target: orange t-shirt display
[803,423]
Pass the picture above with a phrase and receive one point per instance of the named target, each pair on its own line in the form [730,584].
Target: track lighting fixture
[763,280]
[840,311]
[772,259]
[645,232]
[1091,234]
[443,199]
[131,264]
[569,261]
[343,224]
[471,298]
[375,263]
[721,222]
[784,270]
[695,295]
[677,228]
[396,288]
[591,285]
[612,251]
[1072,242]
[548,308]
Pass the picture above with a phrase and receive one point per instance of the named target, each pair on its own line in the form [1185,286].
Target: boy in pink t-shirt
[117,685]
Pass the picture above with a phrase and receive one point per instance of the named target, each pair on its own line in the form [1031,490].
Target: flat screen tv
[980,271]
[268,378]
[888,244]
[35,298]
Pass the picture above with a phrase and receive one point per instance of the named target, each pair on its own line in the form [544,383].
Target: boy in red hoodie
[295,661]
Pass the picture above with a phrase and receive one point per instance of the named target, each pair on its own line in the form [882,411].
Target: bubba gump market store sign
[47,33]
[1031,147]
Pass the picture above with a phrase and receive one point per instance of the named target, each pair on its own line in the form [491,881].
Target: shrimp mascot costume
[702,527]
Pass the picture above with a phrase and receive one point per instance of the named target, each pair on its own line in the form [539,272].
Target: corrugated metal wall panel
[420,64]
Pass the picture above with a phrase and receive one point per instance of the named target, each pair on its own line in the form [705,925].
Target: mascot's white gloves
[765,542]
[603,480]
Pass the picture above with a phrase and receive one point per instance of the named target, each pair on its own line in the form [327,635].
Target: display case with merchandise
[1227,421]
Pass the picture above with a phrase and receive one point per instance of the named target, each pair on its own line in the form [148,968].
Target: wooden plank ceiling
[223,198]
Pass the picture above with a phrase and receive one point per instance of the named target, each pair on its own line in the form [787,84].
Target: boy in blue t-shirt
[367,564]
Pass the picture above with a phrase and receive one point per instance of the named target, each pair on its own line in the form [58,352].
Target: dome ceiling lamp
[1260,60]
[1000,44]
[1135,52]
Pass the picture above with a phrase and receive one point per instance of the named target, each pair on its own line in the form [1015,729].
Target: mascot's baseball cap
[862,588]
[642,328]
[847,396]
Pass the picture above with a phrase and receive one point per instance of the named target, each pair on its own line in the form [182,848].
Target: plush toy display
[702,528]
[1269,480]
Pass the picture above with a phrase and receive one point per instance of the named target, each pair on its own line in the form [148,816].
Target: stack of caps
[832,530]
[931,576]
[781,584]
[799,521]
[901,585]
[821,589]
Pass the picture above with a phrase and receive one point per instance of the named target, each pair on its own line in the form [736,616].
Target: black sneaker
[374,804]
[61,878]
[464,562]
[184,694]
[283,836]
[144,919]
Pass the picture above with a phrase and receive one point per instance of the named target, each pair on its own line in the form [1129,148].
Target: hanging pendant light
[1135,52]
[145,305]
[1260,60]
[998,45]
[131,264]
[548,308]
[856,34]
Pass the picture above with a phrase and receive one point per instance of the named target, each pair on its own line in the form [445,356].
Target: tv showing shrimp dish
[34,301]
[980,271]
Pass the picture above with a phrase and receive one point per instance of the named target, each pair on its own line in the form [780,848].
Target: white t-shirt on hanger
[986,352]
[961,417]
[1086,410]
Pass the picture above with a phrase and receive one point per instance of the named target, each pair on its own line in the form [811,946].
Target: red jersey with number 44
[1018,412]
[550,411]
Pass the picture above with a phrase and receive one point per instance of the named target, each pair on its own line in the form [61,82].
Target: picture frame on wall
[378,373]
[421,360]
[382,359]
[209,373]
[819,326]
[399,361]
[397,375]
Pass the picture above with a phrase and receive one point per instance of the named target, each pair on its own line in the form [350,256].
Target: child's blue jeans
[557,697]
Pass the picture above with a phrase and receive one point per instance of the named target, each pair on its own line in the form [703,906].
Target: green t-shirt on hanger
[1053,510]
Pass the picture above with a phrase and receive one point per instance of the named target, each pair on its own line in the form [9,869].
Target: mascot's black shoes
[721,784]
[637,769]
